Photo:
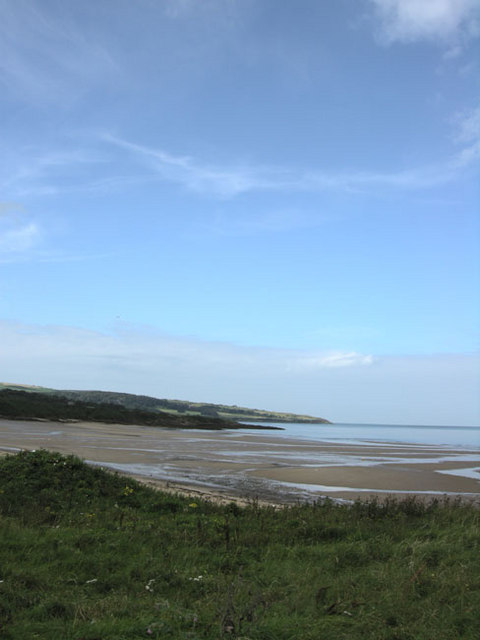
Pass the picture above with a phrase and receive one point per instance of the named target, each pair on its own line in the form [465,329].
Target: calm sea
[362,433]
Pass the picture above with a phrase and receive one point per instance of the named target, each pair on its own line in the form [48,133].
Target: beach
[244,466]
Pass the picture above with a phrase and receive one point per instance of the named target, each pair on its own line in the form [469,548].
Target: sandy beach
[225,465]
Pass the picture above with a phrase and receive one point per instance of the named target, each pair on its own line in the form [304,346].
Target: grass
[88,555]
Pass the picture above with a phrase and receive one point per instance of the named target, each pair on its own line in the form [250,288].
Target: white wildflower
[148,586]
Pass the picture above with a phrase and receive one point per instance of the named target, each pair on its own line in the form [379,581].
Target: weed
[86,554]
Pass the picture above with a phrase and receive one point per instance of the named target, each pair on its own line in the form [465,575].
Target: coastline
[246,467]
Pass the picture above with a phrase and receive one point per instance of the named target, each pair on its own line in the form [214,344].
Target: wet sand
[225,465]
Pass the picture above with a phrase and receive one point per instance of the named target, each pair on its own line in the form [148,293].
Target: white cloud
[145,359]
[344,387]
[310,362]
[149,349]
[413,20]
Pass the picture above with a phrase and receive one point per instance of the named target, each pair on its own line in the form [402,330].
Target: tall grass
[88,555]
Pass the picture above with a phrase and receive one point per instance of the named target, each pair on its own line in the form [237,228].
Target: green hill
[172,407]
[31,405]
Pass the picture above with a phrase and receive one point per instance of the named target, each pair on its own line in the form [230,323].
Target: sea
[468,437]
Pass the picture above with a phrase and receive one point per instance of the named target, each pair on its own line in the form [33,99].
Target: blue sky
[270,204]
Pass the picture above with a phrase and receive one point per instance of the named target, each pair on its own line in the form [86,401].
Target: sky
[261,203]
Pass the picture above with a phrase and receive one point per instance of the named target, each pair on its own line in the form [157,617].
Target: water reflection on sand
[257,464]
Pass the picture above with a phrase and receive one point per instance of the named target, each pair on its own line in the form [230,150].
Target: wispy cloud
[197,176]
[232,181]
[24,239]
[104,162]
[19,239]
[185,8]
[312,361]
[10,208]
[468,136]
[341,386]
[43,57]
[254,222]
[19,234]
[32,170]
[433,20]
[147,349]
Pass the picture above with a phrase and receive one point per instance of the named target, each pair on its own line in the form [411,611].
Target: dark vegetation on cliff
[31,405]
[173,407]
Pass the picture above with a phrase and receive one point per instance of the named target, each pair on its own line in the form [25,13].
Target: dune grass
[89,555]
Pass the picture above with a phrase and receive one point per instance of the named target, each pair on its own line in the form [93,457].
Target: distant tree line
[163,408]
[47,406]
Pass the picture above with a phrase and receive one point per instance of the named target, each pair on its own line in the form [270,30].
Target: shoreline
[243,467]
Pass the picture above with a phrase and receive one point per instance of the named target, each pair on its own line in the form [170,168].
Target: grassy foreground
[88,555]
